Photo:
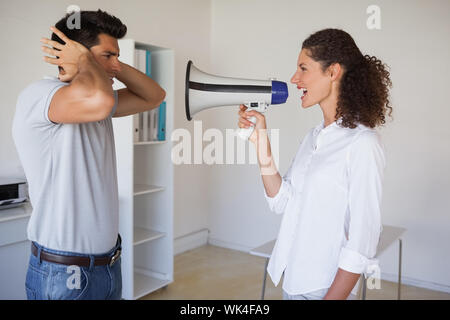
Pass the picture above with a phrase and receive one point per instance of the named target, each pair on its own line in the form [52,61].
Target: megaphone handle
[245,133]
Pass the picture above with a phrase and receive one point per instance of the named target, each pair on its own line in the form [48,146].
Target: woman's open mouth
[304,91]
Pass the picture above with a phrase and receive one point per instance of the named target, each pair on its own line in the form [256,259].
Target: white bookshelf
[145,189]
[145,179]
[143,143]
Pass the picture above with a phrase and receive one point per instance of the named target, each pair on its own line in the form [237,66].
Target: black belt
[76,260]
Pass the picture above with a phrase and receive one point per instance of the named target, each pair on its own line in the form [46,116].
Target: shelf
[144,189]
[144,284]
[23,211]
[140,143]
[142,235]
[145,180]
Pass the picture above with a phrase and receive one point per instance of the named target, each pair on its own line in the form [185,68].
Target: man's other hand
[67,54]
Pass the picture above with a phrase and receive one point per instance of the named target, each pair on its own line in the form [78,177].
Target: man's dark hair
[92,23]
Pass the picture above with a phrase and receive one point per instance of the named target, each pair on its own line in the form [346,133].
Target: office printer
[13,192]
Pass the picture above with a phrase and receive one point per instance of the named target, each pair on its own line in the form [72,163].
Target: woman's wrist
[264,153]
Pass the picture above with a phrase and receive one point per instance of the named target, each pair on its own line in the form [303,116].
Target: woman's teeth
[304,91]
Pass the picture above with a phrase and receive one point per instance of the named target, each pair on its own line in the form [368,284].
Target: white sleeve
[34,102]
[48,99]
[279,202]
[366,164]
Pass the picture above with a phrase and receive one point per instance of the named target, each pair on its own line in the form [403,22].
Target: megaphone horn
[204,91]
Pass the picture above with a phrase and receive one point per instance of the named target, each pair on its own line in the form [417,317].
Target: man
[64,136]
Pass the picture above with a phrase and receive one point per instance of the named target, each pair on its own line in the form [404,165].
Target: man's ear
[61,72]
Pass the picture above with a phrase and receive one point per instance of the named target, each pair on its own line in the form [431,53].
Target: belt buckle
[115,257]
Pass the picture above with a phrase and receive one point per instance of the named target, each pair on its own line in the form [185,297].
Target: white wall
[261,39]
[181,25]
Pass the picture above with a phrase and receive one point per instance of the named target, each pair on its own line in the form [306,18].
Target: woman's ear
[335,71]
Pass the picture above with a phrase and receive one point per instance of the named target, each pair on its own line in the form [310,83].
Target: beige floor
[211,272]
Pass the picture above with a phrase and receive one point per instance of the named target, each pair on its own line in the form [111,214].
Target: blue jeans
[52,281]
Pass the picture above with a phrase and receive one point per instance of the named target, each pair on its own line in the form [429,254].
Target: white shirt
[71,174]
[331,193]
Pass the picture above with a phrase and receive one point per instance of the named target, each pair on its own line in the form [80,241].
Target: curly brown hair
[364,88]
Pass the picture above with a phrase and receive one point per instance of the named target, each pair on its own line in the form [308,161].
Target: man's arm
[141,92]
[342,285]
[89,96]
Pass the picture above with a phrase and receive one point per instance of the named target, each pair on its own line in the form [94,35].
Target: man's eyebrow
[301,64]
[113,53]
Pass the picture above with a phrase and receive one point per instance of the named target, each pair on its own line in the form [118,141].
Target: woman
[331,194]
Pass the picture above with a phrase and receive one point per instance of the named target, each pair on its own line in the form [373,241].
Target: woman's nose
[295,78]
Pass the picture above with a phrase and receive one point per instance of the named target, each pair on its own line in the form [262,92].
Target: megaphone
[204,91]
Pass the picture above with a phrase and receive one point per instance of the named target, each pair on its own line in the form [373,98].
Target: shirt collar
[334,124]
[318,128]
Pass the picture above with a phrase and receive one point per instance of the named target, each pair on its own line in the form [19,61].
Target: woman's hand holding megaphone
[244,122]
